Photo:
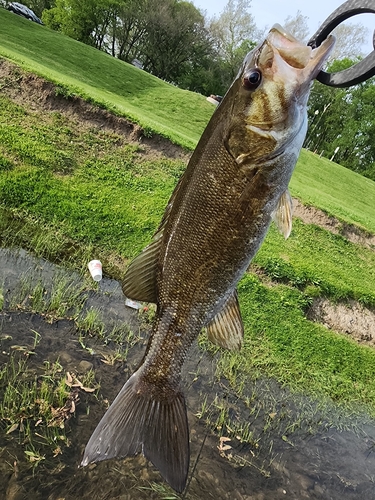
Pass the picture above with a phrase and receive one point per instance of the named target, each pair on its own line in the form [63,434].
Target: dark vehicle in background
[22,10]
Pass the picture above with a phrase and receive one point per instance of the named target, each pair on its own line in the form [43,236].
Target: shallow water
[292,447]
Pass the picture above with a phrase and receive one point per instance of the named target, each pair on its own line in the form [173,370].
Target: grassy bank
[164,109]
[154,104]
[281,343]
[336,190]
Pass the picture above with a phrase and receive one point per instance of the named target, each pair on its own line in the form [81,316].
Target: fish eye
[251,80]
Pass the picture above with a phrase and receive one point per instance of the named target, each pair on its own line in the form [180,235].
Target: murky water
[279,446]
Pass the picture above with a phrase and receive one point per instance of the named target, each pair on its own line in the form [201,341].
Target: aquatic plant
[63,298]
[37,403]
[36,406]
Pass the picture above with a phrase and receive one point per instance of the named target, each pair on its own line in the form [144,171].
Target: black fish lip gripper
[359,72]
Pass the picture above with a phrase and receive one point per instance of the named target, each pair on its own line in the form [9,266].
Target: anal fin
[282,215]
[226,328]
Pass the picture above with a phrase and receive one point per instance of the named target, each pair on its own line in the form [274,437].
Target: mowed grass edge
[157,106]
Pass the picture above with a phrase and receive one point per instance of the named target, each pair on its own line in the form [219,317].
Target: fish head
[266,106]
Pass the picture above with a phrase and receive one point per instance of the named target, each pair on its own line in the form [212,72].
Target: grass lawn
[174,113]
[156,105]
[335,189]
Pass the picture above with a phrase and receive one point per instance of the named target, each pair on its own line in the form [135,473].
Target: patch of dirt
[312,215]
[352,319]
[39,94]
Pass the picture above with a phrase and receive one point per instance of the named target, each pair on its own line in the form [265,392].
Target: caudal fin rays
[137,421]
[167,442]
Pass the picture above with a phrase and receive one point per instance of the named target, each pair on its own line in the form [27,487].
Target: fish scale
[235,183]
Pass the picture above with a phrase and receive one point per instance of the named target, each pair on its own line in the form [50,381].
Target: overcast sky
[269,12]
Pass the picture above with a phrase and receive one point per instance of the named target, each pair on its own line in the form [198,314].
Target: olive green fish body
[235,183]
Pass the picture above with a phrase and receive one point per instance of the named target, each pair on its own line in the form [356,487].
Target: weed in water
[37,338]
[88,379]
[121,334]
[65,299]
[164,492]
[202,413]
[110,358]
[91,322]
[35,407]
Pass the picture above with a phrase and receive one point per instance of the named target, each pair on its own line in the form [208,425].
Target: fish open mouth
[295,53]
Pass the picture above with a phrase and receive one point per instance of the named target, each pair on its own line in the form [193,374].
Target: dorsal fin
[139,282]
[226,328]
[282,214]
[140,278]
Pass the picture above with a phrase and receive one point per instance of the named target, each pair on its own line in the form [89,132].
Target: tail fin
[138,421]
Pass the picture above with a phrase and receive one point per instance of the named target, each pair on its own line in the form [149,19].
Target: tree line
[177,42]
[171,39]
[342,123]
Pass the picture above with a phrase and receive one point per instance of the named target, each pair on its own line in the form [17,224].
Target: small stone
[318,490]
[65,358]
[85,366]
[145,476]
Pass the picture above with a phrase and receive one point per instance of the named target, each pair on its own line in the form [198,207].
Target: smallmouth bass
[236,182]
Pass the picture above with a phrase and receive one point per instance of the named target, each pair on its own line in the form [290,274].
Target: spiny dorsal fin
[226,328]
[140,278]
[282,214]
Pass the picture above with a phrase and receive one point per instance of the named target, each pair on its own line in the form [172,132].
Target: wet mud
[271,445]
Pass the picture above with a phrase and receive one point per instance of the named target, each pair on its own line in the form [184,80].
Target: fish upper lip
[283,32]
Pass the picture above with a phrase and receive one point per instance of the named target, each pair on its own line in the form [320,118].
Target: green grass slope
[335,189]
[156,105]
[177,114]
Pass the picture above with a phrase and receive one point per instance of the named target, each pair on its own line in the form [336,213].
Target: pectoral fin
[282,215]
[226,328]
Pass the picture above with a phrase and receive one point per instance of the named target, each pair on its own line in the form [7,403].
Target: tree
[83,20]
[176,39]
[297,26]
[342,123]
[350,38]
[169,37]
[129,28]
[38,6]
[233,33]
